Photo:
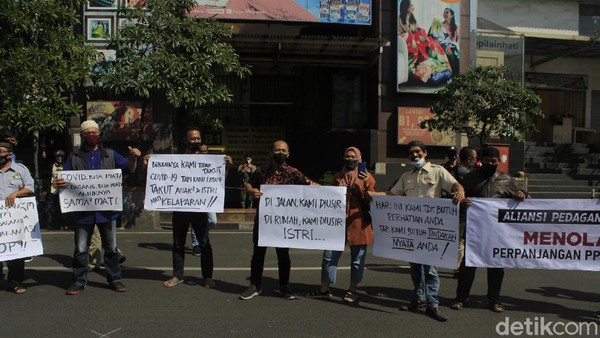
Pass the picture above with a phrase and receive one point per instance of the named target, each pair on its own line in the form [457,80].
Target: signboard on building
[354,12]
[556,81]
[409,129]
[121,120]
[428,53]
[506,50]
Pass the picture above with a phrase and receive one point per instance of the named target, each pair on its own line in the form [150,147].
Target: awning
[544,45]
[338,51]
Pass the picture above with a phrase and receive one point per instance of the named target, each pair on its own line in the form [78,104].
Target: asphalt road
[150,310]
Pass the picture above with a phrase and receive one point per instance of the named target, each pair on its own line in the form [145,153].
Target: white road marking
[105,334]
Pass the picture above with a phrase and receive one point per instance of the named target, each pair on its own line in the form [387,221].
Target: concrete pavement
[150,310]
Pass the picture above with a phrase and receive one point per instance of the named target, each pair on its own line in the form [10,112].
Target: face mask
[419,163]
[91,140]
[193,147]
[489,169]
[351,164]
[249,161]
[279,158]
[4,160]
[470,165]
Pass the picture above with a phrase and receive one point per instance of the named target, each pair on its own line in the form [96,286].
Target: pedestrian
[278,172]
[15,181]
[246,169]
[358,227]
[52,206]
[425,180]
[199,221]
[210,216]
[93,156]
[485,182]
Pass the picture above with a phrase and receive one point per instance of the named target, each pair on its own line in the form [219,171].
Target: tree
[164,52]
[483,102]
[42,63]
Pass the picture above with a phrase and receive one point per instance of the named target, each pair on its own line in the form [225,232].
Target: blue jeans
[357,264]
[81,257]
[426,282]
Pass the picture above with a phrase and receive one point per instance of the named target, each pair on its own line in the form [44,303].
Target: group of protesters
[460,181]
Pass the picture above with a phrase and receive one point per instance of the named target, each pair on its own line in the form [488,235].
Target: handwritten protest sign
[190,182]
[302,217]
[91,190]
[20,230]
[419,230]
[538,234]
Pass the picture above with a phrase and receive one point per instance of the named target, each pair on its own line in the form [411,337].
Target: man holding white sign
[94,157]
[16,181]
[425,180]
[488,182]
[279,172]
[182,219]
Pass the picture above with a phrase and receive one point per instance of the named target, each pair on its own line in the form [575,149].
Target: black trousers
[16,272]
[257,264]
[466,275]
[181,224]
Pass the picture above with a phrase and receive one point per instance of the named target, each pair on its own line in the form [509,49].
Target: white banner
[190,182]
[91,190]
[20,234]
[536,234]
[302,217]
[418,230]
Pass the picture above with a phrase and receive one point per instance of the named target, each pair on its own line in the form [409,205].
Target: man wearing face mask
[15,181]
[92,156]
[278,172]
[198,220]
[487,182]
[246,169]
[425,180]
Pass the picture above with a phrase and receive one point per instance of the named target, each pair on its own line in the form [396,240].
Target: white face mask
[249,161]
[419,163]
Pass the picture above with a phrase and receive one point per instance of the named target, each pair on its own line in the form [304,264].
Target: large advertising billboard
[355,12]
[410,130]
[428,44]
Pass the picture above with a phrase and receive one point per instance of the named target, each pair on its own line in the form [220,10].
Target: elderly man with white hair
[93,156]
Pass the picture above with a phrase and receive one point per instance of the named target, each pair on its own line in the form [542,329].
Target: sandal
[456,305]
[19,290]
[317,294]
[349,297]
[498,308]
[172,282]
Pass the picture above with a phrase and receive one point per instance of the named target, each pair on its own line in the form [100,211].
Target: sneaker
[28,259]
[172,282]
[122,259]
[208,283]
[250,292]
[434,312]
[118,286]
[414,305]
[317,294]
[286,292]
[196,251]
[74,289]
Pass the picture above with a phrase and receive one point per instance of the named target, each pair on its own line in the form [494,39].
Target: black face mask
[279,158]
[489,169]
[4,159]
[193,147]
[350,164]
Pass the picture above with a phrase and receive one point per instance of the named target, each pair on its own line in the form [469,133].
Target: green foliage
[483,102]
[163,51]
[42,63]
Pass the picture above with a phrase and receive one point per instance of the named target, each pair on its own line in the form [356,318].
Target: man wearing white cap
[92,156]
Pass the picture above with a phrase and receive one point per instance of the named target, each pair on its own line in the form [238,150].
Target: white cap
[89,124]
